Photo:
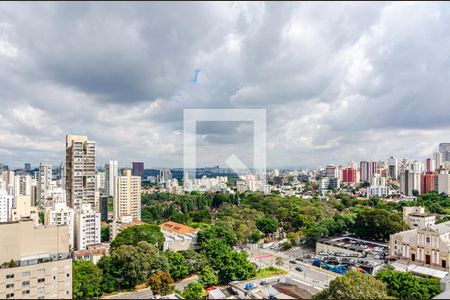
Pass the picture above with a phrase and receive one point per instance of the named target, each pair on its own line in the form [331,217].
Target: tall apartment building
[409,181]
[392,168]
[349,175]
[138,169]
[438,161]
[428,182]
[100,182]
[6,205]
[112,170]
[367,169]
[164,175]
[9,181]
[377,180]
[61,214]
[87,227]
[127,200]
[444,183]
[39,262]
[23,184]
[331,171]
[80,171]
[44,182]
[444,148]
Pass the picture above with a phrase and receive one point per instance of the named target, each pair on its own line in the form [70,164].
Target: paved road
[142,294]
[147,292]
[310,275]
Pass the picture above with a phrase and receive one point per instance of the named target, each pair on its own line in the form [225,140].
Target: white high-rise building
[392,168]
[127,199]
[80,171]
[444,183]
[23,184]
[6,203]
[377,180]
[112,170]
[164,175]
[9,181]
[444,149]
[44,182]
[417,166]
[87,227]
[439,162]
[61,214]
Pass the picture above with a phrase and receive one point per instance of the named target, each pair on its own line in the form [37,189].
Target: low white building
[378,191]
[87,227]
[178,237]
[416,217]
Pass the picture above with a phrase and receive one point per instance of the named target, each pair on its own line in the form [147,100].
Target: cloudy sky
[340,82]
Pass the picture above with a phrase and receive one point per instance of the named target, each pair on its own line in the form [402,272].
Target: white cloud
[345,81]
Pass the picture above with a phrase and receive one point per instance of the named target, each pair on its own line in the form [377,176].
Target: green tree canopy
[231,264]
[207,276]
[377,224]
[354,285]
[133,235]
[110,271]
[177,263]
[217,232]
[133,263]
[193,291]
[267,225]
[161,283]
[404,285]
[86,280]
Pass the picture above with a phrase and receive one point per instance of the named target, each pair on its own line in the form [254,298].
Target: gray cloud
[340,82]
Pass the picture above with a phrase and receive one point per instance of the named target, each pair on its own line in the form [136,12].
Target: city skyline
[344,82]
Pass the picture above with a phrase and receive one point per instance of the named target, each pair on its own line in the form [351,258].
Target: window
[9,276]
[67,275]
[26,273]
[41,279]
[25,283]
[9,286]
[25,292]
[41,290]
[428,239]
[54,277]
[8,296]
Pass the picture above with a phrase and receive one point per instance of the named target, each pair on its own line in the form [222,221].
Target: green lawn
[269,272]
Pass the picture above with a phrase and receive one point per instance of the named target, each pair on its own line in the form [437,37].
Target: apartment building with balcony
[35,263]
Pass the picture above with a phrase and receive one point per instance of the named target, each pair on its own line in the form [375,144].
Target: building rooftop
[421,215]
[177,228]
[442,228]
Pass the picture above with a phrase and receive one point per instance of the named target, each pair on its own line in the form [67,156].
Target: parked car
[292,261]
[299,269]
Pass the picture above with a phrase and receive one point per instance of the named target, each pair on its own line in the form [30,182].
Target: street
[310,275]
[147,292]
